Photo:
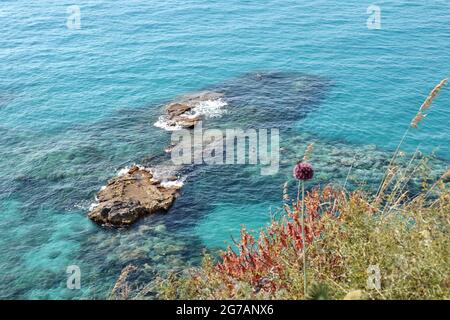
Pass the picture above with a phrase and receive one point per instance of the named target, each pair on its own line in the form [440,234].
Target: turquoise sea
[78,105]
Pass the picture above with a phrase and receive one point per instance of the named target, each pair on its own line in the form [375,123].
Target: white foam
[84,205]
[125,170]
[208,109]
[166,124]
[158,171]
[175,184]
[93,206]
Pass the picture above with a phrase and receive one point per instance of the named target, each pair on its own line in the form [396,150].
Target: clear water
[78,105]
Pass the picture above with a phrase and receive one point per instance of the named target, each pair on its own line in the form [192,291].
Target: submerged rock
[130,196]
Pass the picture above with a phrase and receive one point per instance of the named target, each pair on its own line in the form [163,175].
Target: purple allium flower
[303,171]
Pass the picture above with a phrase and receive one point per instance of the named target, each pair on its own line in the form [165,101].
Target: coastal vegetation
[334,243]
[346,237]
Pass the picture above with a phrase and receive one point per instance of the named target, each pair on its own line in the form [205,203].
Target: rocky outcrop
[130,196]
[181,113]
[138,192]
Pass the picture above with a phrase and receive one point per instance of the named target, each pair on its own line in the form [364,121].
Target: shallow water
[76,106]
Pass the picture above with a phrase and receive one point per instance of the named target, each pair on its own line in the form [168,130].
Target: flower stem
[303,233]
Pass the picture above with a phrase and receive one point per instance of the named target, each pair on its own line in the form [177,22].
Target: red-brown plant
[258,261]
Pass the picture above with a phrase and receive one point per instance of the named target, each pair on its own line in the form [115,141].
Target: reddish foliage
[258,261]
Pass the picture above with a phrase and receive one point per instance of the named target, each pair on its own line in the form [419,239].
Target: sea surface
[79,105]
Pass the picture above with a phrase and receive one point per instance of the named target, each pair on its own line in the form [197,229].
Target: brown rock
[179,112]
[127,198]
[133,169]
[186,122]
[176,109]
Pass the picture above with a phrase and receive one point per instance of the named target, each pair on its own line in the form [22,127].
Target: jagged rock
[128,197]
[133,169]
[180,112]
[176,109]
[186,122]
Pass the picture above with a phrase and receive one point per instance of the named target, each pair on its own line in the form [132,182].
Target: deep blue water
[78,105]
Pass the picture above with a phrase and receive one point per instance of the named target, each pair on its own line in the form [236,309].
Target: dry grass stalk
[389,176]
[286,191]
[120,289]
[446,174]
[426,104]
[397,194]
[414,123]
[442,178]
[308,152]
[417,119]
